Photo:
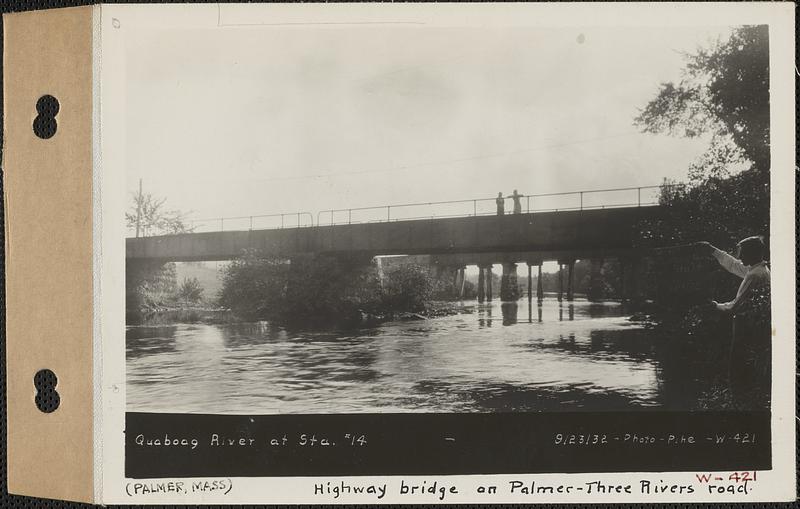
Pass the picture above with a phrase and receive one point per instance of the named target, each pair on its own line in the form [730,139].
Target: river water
[492,357]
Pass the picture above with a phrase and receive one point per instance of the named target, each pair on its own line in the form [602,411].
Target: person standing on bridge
[517,202]
[749,360]
[501,204]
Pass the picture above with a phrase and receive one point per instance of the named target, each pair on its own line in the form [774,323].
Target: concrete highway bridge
[594,233]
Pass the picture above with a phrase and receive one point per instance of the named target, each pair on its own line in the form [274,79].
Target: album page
[446,253]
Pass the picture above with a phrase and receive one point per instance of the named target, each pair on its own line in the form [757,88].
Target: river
[491,357]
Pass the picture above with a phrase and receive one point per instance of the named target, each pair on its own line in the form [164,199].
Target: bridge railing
[643,196]
[259,222]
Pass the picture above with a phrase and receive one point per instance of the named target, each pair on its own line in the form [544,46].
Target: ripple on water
[490,358]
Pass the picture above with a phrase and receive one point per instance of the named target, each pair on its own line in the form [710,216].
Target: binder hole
[45,125]
[47,398]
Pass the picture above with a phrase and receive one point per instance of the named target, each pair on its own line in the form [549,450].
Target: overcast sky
[243,121]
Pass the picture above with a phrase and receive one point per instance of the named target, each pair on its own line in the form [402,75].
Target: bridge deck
[581,232]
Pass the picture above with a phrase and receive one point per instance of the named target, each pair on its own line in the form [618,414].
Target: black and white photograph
[405,219]
[401,253]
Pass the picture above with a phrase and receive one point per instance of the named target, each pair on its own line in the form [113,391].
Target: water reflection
[570,311]
[509,310]
[143,341]
[538,312]
[485,315]
[594,360]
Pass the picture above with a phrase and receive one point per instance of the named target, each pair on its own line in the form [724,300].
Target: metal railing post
[388,212]
[281,221]
[298,219]
[251,222]
[581,200]
[349,216]
[528,204]
[638,196]
[475,208]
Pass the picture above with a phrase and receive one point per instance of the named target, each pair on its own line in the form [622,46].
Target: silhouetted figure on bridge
[501,204]
[517,202]
[749,361]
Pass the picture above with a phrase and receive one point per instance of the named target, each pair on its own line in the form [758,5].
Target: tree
[407,288]
[190,290]
[149,216]
[150,285]
[314,290]
[254,287]
[724,92]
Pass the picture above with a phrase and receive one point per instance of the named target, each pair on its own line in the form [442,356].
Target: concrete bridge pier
[570,265]
[481,284]
[595,290]
[571,282]
[560,282]
[489,276]
[509,286]
[530,283]
[539,286]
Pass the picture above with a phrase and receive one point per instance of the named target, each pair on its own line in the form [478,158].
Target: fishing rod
[676,247]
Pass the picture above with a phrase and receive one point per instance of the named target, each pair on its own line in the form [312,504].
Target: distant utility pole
[139,209]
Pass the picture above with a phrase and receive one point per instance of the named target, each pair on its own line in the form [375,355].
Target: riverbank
[218,315]
[180,315]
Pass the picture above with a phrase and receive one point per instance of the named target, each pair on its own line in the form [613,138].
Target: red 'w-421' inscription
[737,477]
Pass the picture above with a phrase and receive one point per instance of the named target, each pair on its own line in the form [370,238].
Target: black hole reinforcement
[45,125]
[47,398]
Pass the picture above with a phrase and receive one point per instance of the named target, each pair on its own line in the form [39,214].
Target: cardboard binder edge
[48,193]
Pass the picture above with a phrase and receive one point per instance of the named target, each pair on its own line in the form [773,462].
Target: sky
[260,120]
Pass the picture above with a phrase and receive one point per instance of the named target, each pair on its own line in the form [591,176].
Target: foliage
[150,286]
[724,91]
[152,218]
[724,94]
[320,289]
[407,288]
[719,210]
[330,289]
[190,290]
[253,287]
